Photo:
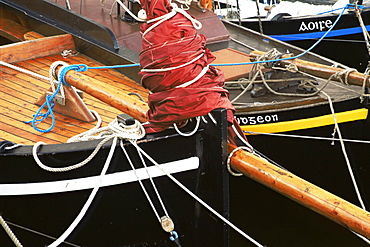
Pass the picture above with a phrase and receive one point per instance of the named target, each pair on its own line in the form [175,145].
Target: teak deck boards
[19,92]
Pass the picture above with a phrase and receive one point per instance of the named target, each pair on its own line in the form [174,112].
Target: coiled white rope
[113,130]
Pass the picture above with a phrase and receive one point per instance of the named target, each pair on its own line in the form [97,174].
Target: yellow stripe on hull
[342,117]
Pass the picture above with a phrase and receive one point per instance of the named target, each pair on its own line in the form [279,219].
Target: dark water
[276,221]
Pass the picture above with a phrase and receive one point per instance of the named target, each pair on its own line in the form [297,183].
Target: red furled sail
[176,68]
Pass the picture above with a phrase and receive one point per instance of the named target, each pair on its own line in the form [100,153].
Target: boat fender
[279,16]
[4,145]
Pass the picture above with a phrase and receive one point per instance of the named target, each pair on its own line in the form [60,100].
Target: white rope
[87,135]
[229,160]
[114,129]
[367,72]
[140,182]
[127,10]
[173,68]
[54,79]
[153,184]
[24,70]
[307,137]
[89,200]
[175,9]
[68,168]
[345,152]
[364,31]
[190,133]
[10,232]
[197,198]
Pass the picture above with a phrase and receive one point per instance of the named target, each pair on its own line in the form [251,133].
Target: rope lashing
[59,80]
[49,104]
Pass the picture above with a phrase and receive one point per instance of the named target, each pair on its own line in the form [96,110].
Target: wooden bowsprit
[323,71]
[301,191]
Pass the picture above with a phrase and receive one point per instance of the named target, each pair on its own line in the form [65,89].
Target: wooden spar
[323,71]
[301,191]
[120,100]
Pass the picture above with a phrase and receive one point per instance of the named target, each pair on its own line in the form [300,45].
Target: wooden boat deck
[19,92]
[128,33]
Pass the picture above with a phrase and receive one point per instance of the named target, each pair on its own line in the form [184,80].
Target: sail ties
[175,9]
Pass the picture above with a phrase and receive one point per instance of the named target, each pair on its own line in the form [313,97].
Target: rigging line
[140,181]
[307,137]
[152,182]
[297,56]
[197,198]
[89,200]
[331,39]
[10,232]
[40,233]
[345,152]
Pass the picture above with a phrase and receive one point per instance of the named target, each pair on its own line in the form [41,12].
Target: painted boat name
[315,25]
[251,120]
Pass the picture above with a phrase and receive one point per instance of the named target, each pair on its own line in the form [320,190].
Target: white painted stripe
[89,182]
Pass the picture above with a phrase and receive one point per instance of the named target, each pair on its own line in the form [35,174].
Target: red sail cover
[174,43]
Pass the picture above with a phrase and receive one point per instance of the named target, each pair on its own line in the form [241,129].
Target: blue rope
[294,57]
[39,117]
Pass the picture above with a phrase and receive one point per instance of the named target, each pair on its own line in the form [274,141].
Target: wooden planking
[31,49]
[42,67]
[32,35]
[31,92]
[12,30]
[228,56]
[19,91]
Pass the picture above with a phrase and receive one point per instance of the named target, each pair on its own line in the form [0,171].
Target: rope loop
[76,67]
[229,160]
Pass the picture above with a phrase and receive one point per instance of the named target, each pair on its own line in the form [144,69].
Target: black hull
[344,44]
[317,160]
[285,222]
[120,214]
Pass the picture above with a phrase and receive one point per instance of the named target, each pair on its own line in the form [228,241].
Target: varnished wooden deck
[19,92]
